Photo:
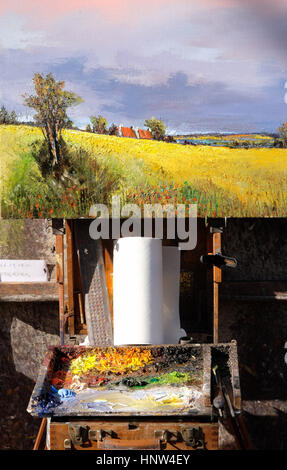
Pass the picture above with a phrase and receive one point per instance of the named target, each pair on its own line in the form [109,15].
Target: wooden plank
[70,276]
[215,312]
[29,292]
[79,307]
[94,286]
[217,278]
[217,273]
[108,259]
[209,280]
[253,290]
[60,280]
[133,431]
[40,439]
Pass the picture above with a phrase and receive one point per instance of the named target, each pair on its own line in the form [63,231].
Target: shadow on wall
[259,245]
[268,431]
[26,331]
[260,330]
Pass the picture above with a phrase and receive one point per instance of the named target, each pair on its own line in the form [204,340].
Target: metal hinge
[193,437]
[79,434]
[166,436]
[100,434]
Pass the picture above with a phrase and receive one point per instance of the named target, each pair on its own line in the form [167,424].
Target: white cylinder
[137,289]
[171,285]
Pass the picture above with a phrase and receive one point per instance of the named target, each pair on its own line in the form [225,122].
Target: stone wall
[28,239]
[260,246]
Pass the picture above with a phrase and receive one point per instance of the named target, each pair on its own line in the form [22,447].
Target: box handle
[132,444]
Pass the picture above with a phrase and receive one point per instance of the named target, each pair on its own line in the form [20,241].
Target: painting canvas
[156,102]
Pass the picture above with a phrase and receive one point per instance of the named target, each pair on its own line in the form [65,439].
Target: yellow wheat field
[254,179]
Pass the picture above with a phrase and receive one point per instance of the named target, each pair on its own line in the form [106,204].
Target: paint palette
[123,381]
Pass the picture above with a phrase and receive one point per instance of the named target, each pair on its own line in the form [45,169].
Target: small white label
[15,270]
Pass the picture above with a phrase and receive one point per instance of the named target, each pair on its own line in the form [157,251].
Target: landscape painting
[156,102]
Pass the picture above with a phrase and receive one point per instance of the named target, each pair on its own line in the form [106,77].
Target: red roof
[145,134]
[128,132]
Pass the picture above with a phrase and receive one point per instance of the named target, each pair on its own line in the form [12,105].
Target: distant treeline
[99,125]
[246,141]
[8,118]
[223,134]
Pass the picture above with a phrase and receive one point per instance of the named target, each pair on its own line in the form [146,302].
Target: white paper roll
[171,284]
[137,288]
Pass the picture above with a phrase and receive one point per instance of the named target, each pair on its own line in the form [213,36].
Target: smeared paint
[135,382]
[58,378]
[139,367]
[135,379]
[160,398]
[113,360]
[171,378]
[97,381]
[64,393]
[174,377]
[46,403]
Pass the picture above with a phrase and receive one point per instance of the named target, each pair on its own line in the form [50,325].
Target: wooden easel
[71,308]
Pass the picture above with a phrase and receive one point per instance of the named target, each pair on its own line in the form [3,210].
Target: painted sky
[209,65]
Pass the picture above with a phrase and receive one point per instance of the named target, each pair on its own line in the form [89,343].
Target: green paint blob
[170,378]
[174,378]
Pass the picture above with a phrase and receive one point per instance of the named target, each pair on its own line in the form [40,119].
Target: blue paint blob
[66,393]
[46,402]
[62,392]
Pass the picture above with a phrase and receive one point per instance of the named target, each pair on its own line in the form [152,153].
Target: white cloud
[239,48]
[231,46]
[15,35]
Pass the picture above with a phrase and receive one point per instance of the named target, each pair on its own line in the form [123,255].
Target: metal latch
[67,444]
[166,436]
[78,433]
[193,437]
[219,260]
[100,434]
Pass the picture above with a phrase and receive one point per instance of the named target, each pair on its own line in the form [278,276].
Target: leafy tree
[69,124]
[99,124]
[282,130]
[156,127]
[170,139]
[113,130]
[88,128]
[4,115]
[13,118]
[6,118]
[51,102]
